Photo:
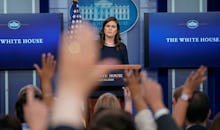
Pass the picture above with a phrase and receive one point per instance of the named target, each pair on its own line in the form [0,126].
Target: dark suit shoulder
[197,127]
[166,122]
[64,127]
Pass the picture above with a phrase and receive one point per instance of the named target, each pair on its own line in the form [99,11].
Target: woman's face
[110,29]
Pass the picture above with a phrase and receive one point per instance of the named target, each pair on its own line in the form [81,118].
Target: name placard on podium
[113,81]
[116,77]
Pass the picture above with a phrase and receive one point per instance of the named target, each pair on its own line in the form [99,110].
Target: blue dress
[111,52]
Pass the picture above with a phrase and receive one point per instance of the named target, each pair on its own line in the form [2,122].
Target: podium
[113,81]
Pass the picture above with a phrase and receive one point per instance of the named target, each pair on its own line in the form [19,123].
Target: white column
[172,5]
[34,72]
[173,75]
[34,78]
[200,5]
[6,72]
[33,5]
[6,94]
[5,6]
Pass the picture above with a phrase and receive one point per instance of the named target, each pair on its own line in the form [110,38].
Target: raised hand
[133,83]
[127,100]
[78,74]
[78,60]
[46,72]
[127,93]
[35,112]
[191,84]
[152,92]
[194,80]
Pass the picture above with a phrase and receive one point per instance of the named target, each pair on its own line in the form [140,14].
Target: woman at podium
[110,41]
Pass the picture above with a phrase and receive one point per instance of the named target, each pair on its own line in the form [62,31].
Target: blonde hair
[107,101]
[24,89]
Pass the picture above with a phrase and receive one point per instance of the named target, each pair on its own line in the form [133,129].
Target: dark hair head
[112,120]
[21,100]
[117,39]
[198,108]
[10,122]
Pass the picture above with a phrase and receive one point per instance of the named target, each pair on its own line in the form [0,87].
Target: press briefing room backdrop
[133,36]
